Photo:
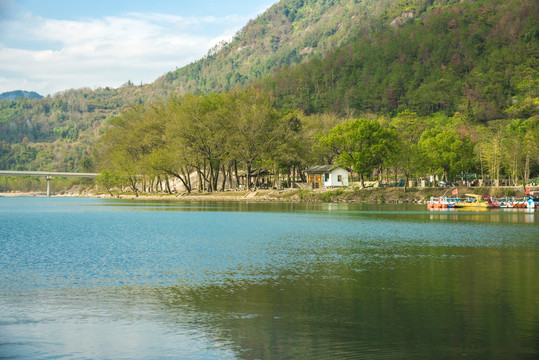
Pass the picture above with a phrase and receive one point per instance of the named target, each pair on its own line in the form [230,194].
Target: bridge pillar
[49,186]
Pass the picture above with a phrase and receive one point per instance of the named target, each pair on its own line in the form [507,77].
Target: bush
[329,196]
[510,193]
[303,194]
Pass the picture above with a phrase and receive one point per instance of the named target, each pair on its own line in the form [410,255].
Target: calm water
[98,279]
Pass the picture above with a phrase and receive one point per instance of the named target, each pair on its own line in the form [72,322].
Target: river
[124,279]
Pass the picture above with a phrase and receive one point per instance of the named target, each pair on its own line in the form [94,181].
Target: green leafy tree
[108,180]
[361,144]
[521,148]
[446,151]
[409,127]
[254,130]
[201,122]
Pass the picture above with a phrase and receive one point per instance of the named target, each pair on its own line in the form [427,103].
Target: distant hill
[14,95]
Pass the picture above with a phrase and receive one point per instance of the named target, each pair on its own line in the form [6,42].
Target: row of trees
[220,137]
[208,135]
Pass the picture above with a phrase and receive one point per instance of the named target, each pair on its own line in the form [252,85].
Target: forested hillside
[292,32]
[58,132]
[467,62]
[478,58]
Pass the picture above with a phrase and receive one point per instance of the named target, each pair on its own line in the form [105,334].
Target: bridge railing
[47,174]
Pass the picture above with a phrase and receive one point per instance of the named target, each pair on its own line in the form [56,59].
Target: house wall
[329,179]
[334,178]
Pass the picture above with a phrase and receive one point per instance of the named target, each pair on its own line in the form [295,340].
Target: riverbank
[389,195]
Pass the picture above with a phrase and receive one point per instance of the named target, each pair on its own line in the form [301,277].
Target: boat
[441,203]
[476,201]
[506,203]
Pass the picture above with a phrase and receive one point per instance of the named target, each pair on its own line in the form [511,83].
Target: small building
[327,176]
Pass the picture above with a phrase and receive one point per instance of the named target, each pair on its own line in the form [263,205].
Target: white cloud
[48,55]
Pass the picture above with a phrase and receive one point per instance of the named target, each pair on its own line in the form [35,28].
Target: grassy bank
[386,195]
[392,194]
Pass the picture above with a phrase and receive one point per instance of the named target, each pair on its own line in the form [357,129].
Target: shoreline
[389,195]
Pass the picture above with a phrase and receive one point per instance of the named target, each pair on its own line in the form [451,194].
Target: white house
[327,176]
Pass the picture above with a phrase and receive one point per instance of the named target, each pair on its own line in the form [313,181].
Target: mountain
[14,95]
[348,57]
[289,33]
[479,58]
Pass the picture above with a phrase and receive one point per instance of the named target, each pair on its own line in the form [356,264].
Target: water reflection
[106,279]
[419,303]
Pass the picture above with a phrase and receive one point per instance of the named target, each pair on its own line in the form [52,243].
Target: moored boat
[476,201]
[506,203]
[441,203]
[512,203]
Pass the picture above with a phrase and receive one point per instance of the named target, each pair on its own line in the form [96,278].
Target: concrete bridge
[47,174]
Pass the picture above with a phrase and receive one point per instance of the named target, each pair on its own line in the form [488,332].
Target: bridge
[47,174]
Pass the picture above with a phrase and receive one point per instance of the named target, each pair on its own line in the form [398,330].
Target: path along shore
[390,195]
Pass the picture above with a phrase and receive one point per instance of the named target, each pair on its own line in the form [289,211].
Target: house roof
[316,169]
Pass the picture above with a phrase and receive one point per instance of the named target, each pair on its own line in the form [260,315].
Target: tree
[446,151]
[126,146]
[254,128]
[108,180]
[521,148]
[361,144]
[409,128]
[491,149]
[200,123]
[293,150]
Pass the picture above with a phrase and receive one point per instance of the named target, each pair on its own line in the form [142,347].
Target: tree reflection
[429,303]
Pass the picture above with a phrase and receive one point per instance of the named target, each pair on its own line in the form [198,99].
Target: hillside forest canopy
[450,87]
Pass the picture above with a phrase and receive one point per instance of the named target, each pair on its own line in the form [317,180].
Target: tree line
[218,138]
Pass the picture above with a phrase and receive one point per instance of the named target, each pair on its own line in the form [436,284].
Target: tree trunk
[187,181]
[215,169]
[236,173]
[133,184]
[230,175]
[288,178]
[481,162]
[249,177]
[526,171]
[255,182]
[302,174]
[167,183]
[200,181]
[224,179]
[406,182]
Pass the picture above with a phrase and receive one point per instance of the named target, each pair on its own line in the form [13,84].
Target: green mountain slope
[291,32]
[478,58]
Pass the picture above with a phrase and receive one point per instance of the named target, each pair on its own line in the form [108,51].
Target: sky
[49,46]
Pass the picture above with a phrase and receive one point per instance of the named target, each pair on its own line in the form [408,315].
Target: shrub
[303,194]
[510,193]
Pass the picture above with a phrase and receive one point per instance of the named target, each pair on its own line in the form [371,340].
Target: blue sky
[54,45]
